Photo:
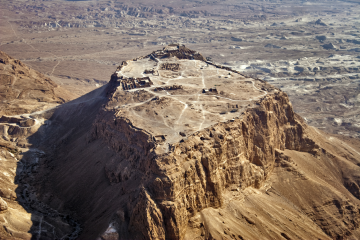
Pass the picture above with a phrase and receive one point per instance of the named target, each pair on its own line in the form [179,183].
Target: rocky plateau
[177,147]
[303,48]
[254,135]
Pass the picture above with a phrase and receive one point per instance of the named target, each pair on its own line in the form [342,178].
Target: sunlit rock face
[177,147]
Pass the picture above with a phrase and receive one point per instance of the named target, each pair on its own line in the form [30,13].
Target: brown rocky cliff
[206,184]
[146,217]
[196,172]
[262,174]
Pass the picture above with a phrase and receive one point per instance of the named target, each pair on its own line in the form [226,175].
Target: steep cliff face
[198,171]
[132,164]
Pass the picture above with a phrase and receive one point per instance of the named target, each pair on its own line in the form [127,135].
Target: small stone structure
[173,87]
[131,83]
[176,50]
[159,138]
[170,66]
[210,90]
[151,71]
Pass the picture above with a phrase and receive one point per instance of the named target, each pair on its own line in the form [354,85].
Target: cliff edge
[176,147]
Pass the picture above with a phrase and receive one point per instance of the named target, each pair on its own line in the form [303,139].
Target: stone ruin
[210,90]
[179,51]
[131,83]
[170,66]
[159,138]
[173,87]
[151,71]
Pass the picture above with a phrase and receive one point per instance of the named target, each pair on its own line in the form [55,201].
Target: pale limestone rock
[3,205]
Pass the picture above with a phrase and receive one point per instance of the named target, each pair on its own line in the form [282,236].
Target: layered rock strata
[162,163]
[196,172]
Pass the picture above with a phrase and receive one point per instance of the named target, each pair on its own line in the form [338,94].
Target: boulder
[321,38]
[320,22]
[329,46]
[271,46]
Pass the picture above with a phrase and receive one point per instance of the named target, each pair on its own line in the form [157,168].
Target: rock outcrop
[3,205]
[199,170]
[117,164]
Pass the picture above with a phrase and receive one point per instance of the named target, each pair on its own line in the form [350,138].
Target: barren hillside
[24,90]
[26,100]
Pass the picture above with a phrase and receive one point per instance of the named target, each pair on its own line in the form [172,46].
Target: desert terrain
[308,49]
[162,152]
[111,128]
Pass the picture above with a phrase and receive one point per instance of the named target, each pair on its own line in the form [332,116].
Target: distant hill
[24,90]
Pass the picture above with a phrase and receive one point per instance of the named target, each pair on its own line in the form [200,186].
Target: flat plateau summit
[175,92]
[177,147]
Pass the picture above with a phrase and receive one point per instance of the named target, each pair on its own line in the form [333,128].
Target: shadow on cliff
[63,179]
[33,174]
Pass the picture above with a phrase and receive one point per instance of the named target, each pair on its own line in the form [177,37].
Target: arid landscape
[309,49]
[179,119]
